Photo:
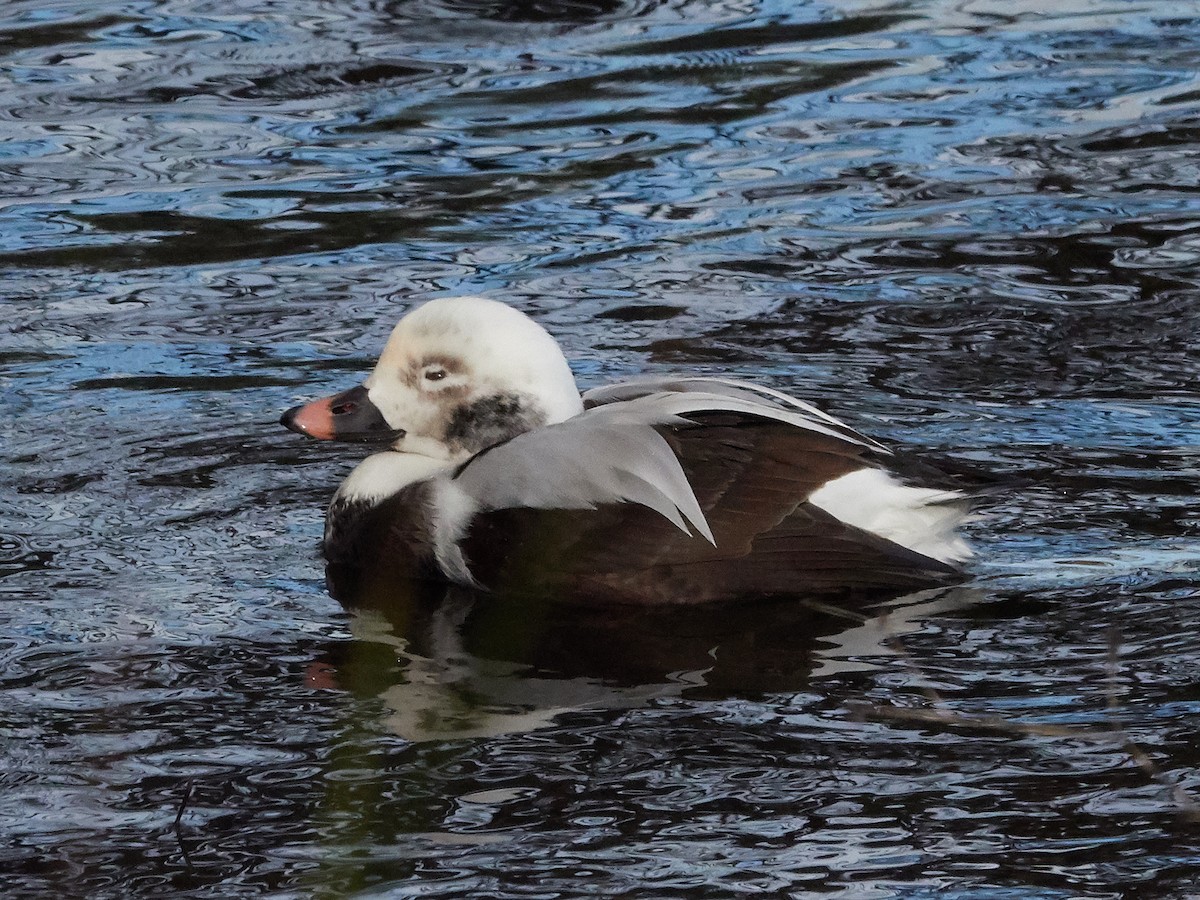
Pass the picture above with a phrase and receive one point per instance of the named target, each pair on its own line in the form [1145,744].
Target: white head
[462,373]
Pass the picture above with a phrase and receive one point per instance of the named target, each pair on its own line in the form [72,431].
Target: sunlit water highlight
[970,228]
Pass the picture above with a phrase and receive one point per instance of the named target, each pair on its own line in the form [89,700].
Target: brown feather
[752,478]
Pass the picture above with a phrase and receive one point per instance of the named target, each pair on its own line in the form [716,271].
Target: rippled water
[971,227]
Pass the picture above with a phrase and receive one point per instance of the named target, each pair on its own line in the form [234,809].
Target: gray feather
[612,453]
[766,402]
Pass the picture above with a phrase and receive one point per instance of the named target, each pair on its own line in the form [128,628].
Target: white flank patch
[921,519]
[453,510]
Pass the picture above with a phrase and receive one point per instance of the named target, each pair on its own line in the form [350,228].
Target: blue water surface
[969,229]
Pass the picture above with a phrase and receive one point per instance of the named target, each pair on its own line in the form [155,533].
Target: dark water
[972,228]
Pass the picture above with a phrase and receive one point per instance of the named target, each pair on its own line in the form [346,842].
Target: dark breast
[370,548]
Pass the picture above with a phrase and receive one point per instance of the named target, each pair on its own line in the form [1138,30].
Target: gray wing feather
[608,455]
[612,453]
[765,399]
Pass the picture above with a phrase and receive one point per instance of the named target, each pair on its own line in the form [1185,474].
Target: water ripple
[968,228]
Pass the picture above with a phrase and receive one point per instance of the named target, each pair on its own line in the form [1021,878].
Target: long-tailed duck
[499,475]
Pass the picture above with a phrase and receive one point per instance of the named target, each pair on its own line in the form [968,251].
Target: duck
[493,472]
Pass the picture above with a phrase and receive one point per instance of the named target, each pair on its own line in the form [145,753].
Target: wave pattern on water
[967,227]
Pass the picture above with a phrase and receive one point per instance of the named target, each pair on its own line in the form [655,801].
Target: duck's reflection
[453,663]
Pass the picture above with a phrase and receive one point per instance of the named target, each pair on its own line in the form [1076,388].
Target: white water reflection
[443,691]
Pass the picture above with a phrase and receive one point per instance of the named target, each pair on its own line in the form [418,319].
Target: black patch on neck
[491,420]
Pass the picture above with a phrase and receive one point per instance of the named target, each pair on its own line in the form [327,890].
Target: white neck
[381,475]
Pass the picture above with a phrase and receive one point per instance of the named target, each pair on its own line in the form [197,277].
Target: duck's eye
[435,374]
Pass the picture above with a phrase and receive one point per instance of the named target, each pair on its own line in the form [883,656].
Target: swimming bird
[500,475]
